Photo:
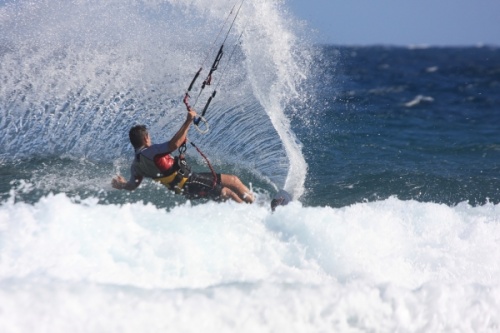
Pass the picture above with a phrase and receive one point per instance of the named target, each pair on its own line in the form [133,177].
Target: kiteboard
[282,198]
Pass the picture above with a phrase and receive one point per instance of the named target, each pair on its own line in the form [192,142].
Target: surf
[388,261]
[406,243]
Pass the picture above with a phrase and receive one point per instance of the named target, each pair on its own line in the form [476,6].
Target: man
[155,161]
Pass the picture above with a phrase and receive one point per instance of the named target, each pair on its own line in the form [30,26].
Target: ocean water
[392,155]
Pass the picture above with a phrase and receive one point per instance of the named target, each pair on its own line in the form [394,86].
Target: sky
[401,22]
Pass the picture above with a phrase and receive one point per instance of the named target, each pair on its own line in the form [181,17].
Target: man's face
[147,140]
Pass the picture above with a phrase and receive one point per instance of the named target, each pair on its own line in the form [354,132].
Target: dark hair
[137,134]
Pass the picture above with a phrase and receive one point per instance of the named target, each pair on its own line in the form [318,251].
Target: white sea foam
[419,99]
[383,266]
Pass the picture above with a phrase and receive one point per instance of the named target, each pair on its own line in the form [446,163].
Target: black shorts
[201,185]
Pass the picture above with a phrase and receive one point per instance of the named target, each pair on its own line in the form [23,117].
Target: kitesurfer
[155,161]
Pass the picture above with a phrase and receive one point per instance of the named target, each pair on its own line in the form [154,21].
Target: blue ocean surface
[416,123]
[391,154]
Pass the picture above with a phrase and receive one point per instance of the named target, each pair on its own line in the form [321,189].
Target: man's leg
[226,193]
[234,184]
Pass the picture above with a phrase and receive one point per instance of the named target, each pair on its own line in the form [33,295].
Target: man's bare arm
[180,137]
[121,183]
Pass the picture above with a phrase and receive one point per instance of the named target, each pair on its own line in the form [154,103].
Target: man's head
[139,136]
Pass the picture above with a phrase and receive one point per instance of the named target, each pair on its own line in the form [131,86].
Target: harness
[174,177]
[177,178]
[180,174]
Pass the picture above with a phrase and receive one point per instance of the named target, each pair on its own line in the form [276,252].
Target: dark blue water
[418,124]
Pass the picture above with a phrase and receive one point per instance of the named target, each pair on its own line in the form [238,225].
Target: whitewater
[387,266]
[364,247]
